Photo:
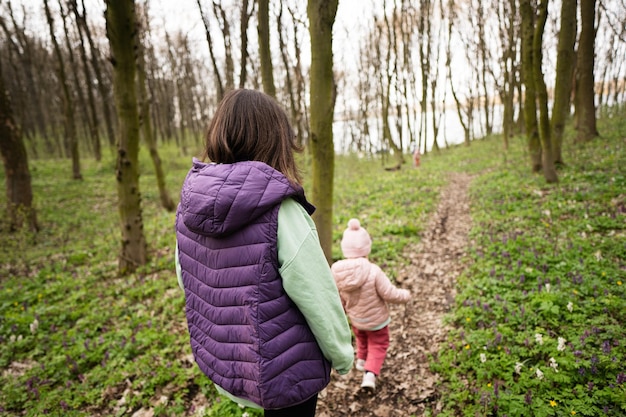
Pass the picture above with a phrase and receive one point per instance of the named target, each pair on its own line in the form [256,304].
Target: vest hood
[219,199]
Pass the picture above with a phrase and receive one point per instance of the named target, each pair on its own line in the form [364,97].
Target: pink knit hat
[356,241]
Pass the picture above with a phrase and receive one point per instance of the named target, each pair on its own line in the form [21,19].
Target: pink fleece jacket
[365,291]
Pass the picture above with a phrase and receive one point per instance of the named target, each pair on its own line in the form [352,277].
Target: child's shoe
[360,365]
[369,381]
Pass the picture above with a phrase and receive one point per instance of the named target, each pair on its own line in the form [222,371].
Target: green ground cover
[538,328]
[76,339]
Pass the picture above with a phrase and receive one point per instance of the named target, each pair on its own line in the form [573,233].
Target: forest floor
[406,386]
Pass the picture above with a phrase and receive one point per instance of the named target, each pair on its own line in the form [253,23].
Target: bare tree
[265,52]
[145,121]
[68,102]
[21,45]
[97,63]
[585,96]
[243,30]
[530,104]
[94,125]
[216,71]
[321,19]
[564,73]
[17,174]
[549,171]
[121,32]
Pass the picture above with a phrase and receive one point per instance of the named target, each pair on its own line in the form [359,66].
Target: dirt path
[406,386]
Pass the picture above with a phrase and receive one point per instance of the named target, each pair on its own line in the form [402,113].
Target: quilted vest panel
[246,334]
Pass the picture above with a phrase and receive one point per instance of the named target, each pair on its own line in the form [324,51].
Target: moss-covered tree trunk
[265,52]
[321,19]
[585,99]
[121,32]
[564,74]
[20,208]
[530,106]
[549,172]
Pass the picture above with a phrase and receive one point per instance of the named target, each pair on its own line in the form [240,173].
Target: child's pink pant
[371,345]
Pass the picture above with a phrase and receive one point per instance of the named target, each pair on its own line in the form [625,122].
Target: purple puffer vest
[246,334]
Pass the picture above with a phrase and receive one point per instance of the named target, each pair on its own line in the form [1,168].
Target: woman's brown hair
[251,126]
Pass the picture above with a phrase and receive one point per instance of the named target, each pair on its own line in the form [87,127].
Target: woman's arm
[309,283]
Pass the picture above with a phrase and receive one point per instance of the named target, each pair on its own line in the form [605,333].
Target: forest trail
[406,386]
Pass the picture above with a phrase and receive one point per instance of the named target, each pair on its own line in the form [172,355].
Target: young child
[265,318]
[365,291]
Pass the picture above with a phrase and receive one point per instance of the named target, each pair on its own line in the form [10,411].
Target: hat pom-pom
[354,224]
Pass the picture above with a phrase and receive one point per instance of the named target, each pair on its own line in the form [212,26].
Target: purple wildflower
[606,347]
[528,398]
[621,378]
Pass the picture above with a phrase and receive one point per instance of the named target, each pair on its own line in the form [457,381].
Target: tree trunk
[530,106]
[146,126]
[224,23]
[68,103]
[121,32]
[216,71]
[17,174]
[95,122]
[78,89]
[321,19]
[102,86]
[549,172]
[265,52]
[29,70]
[245,19]
[564,73]
[585,100]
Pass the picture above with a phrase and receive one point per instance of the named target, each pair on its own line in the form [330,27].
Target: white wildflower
[547,287]
[12,338]
[539,338]
[518,367]
[554,365]
[245,414]
[34,326]
[483,358]
[241,406]
[539,374]
[19,338]
[570,306]
[561,344]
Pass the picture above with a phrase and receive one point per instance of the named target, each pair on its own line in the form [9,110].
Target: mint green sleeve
[309,283]
[179,270]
